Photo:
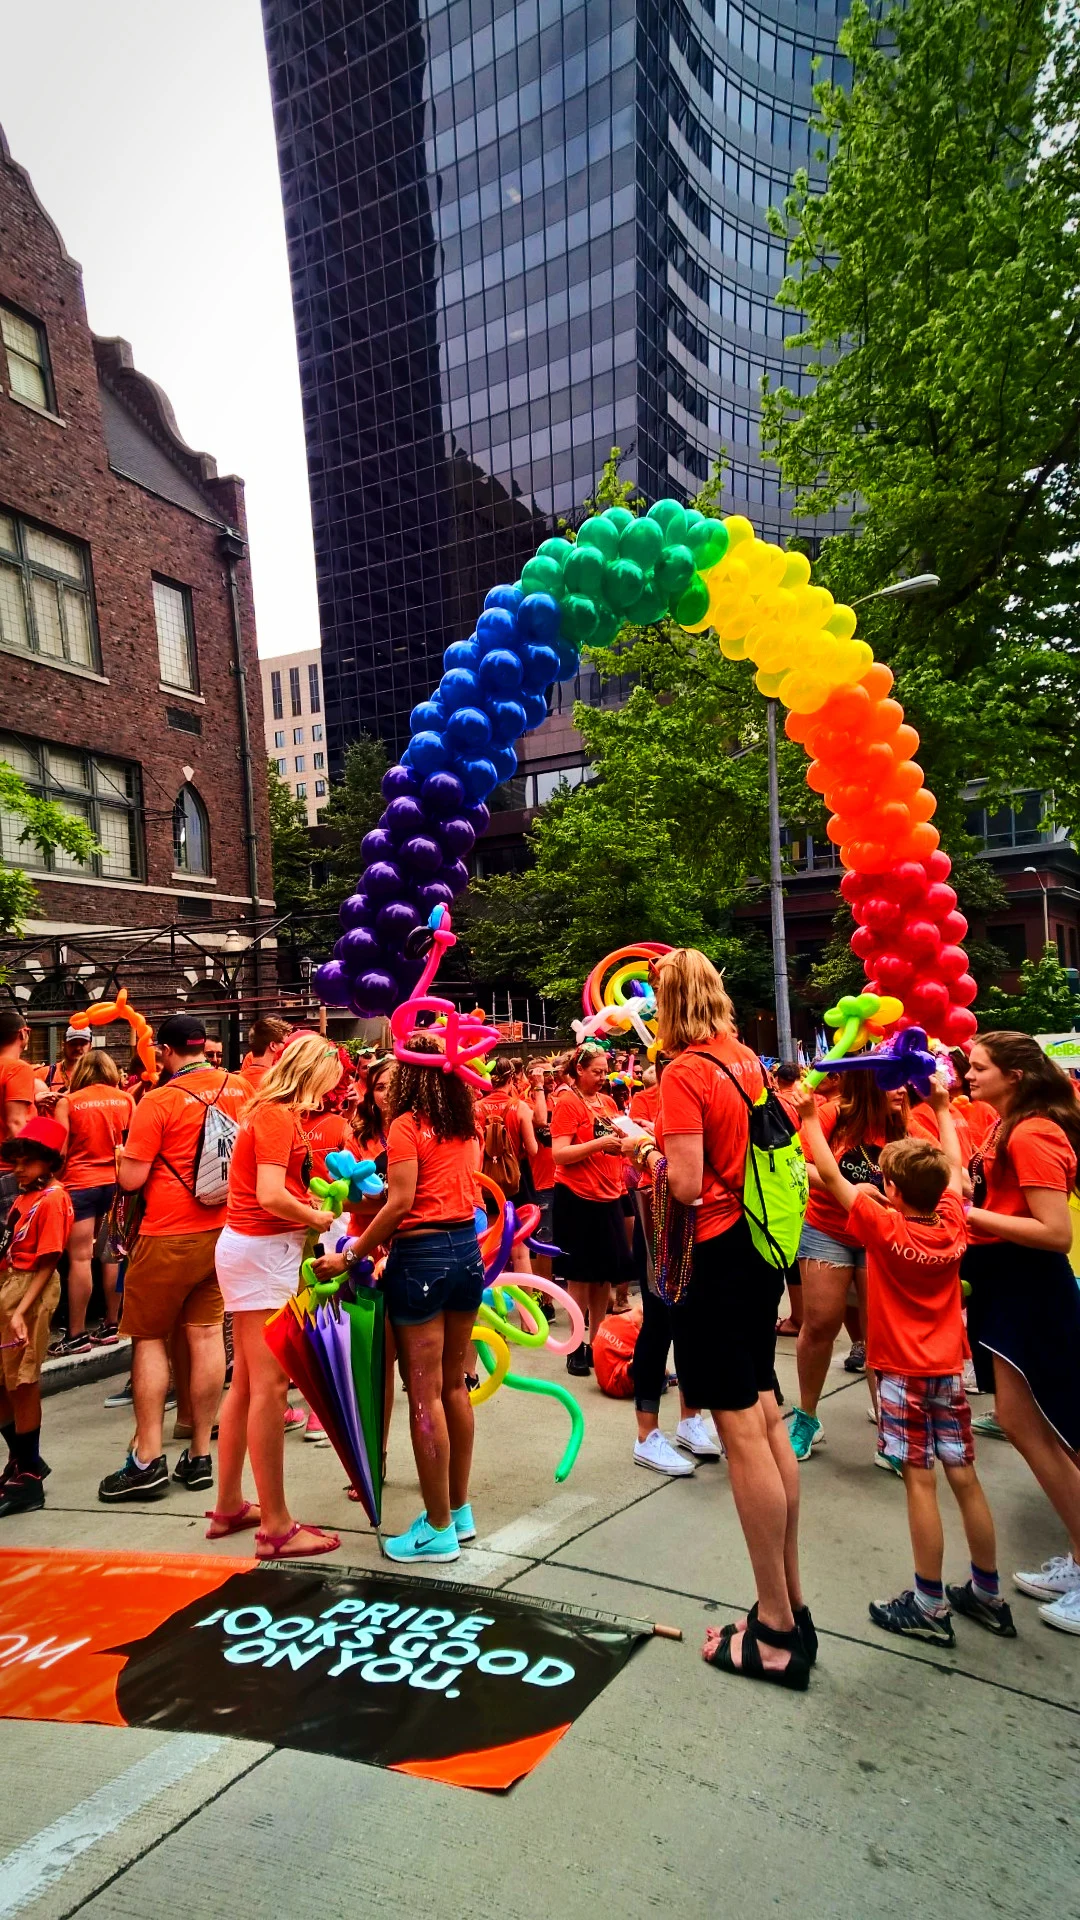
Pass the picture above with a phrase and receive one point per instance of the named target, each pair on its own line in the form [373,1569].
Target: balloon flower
[618,997]
[707,574]
[103,1015]
[858,1018]
[361,1180]
[905,1062]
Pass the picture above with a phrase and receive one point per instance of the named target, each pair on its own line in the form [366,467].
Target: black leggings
[649,1365]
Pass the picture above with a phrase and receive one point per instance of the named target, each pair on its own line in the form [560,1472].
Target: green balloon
[579,619]
[584,572]
[608,628]
[541,575]
[694,604]
[599,533]
[558,550]
[671,517]
[619,517]
[623,581]
[693,519]
[708,542]
[674,572]
[642,542]
[652,605]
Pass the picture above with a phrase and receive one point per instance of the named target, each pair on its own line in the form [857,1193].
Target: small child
[914,1237]
[31,1242]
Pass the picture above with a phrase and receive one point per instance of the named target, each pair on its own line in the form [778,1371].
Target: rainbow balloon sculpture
[618,998]
[625,571]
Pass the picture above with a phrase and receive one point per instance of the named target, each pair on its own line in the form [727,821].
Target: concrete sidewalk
[905,1782]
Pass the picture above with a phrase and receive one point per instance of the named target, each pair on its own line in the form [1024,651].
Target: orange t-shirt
[613,1353]
[98,1118]
[446,1170]
[328,1133]
[645,1106]
[167,1125]
[16,1083]
[272,1136]
[913,1319]
[696,1096]
[924,1121]
[254,1071]
[822,1211]
[600,1177]
[1036,1154]
[41,1222]
[980,1118]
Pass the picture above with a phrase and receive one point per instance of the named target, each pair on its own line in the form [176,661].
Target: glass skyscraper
[522,232]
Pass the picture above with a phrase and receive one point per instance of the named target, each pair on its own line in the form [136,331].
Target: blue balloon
[535,710]
[541,668]
[428,753]
[458,688]
[495,628]
[509,598]
[538,619]
[569,661]
[426,717]
[507,720]
[467,731]
[479,778]
[504,761]
[461,654]
[501,673]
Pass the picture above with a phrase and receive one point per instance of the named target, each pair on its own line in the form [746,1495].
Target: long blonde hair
[95,1067]
[692,1005]
[304,1075]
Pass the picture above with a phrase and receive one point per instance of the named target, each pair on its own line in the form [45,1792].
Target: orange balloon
[906,743]
[923,804]
[877,680]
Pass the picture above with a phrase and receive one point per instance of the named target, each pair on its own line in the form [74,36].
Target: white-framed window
[316,731]
[320,789]
[298,763]
[175,635]
[301,790]
[279,737]
[191,833]
[283,766]
[318,761]
[276,701]
[46,606]
[27,356]
[104,793]
[298,736]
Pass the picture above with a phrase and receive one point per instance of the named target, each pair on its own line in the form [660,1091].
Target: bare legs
[593,1298]
[440,1412]
[1032,1435]
[824,1291]
[924,1519]
[765,1483]
[253,1423]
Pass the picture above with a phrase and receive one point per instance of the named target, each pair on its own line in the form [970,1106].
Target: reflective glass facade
[521,232]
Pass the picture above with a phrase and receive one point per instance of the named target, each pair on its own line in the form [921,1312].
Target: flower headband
[465,1039]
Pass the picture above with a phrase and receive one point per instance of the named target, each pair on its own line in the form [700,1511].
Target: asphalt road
[906,1782]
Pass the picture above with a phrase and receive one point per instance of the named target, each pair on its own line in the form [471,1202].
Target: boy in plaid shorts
[914,1236]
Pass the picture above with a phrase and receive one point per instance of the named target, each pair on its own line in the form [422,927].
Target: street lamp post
[1046,904]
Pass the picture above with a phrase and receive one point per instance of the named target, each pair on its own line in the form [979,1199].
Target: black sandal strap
[789,1642]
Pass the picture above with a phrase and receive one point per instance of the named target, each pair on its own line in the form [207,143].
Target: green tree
[290,847]
[46,826]
[1043,1003]
[938,275]
[353,807]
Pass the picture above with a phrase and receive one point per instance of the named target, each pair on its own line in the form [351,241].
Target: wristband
[967,1206]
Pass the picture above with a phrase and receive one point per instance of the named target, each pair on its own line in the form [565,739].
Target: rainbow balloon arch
[626,571]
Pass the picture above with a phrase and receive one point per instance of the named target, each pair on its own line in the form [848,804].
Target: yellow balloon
[767,565]
[502,1365]
[797,570]
[842,621]
[804,692]
[739,530]
[732,649]
[865,656]
[769,684]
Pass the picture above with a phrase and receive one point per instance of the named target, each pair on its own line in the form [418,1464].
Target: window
[103,792]
[314,696]
[316,731]
[320,794]
[175,635]
[298,764]
[283,766]
[294,689]
[191,833]
[318,761]
[279,738]
[1012,939]
[27,358]
[275,699]
[45,602]
[301,790]
[298,736]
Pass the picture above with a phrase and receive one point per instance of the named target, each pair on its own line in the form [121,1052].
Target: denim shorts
[822,1246]
[91,1203]
[431,1273]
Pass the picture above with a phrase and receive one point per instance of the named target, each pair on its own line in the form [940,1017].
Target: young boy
[914,1237]
[31,1243]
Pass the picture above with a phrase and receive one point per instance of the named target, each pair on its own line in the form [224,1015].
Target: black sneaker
[548,1308]
[71,1343]
[194,1473]
[579,1363]
[23,1493]
[11,1470]
[905,1616]
[855,1361]
[996,1619]
[136,1483]
[107,1335]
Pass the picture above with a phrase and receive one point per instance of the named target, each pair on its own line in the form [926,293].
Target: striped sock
[930,1595]
[986,1585]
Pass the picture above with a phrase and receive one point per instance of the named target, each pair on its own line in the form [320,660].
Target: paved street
[906,1781]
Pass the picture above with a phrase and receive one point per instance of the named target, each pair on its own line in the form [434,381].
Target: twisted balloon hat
[103,1015]
[622,571]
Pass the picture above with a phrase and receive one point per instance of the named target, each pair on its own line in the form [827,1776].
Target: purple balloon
[495,628]
[354,912]
[435,894]
[404,817]
[376,992]
[382,879]
[440,795]
[478,817]
[457,837]
[376,845]
[358,950]
[467,731]
[456,877]
[422,853]
[428,752]
[399,780]
[395,922]
[332,984]
[479,778]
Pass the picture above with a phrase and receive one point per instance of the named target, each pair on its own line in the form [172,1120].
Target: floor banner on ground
[453,1683]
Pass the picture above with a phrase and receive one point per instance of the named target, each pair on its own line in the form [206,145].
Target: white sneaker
[698,1435]
[971,1385]
[1057,1576]
[657,1452]
[1064,1613]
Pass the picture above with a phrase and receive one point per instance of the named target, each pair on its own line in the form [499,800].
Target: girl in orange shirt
[587,1214]
[96,1114]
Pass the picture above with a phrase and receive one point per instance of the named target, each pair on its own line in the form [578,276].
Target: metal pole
[776,899]
[1046,913]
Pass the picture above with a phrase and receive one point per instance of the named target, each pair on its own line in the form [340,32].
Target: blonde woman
[96,1113]
[724,1326]
[258,1263]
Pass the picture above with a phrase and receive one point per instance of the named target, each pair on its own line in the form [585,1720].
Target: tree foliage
[1043,1003]
[290,846]
[47,827]
[353,807]
[939,277]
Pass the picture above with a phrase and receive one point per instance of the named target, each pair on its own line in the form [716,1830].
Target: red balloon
[880,913]
[951,963]
[927,1001]
[958,1027]
[940,900]
[894,973]
[919,939]
[863,943]
[908,883]
[938,866]
[953,928]
[964,990]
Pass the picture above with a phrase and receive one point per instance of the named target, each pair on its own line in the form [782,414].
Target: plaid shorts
[921,1418]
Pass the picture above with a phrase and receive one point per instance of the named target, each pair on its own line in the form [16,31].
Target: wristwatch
[350,1255]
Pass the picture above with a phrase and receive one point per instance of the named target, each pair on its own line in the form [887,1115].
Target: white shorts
[258,1271]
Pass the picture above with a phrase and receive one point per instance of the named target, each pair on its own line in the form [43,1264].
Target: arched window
[191,833]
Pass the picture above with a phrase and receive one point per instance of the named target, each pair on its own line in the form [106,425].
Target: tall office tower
[520,232]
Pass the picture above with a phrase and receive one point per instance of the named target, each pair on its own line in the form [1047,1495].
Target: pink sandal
[237,1522]
[328,1543]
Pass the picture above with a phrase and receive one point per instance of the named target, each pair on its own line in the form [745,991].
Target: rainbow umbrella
[366,1317]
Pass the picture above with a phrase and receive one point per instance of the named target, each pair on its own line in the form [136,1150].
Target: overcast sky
[146,128]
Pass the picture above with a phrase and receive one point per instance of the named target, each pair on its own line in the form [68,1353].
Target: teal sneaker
[464,1525]
[422,1542]
[806,1433]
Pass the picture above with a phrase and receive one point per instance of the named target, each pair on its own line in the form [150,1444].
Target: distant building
[294,722]
[129,683]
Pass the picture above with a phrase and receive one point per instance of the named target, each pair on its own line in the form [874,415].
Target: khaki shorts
[170,1281]
[22,1365]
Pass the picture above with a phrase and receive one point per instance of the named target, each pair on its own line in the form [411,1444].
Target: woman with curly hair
[433,1283]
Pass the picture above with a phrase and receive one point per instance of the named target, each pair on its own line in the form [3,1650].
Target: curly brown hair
[441,1099]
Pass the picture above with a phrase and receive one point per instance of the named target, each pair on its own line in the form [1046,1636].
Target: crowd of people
[938,1231]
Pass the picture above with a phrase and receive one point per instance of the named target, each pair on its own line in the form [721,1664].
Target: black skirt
[591,1237]
[1024,1307]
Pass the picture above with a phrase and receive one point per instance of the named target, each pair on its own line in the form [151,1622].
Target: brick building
[294,724]
[129,679]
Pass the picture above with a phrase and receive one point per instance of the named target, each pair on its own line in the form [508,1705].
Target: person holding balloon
[588,1216]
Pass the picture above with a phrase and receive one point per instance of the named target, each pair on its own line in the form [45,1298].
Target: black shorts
[591,1236]
[724,1327]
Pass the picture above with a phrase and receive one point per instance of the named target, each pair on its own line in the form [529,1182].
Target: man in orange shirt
[171,1279]
[267,1040]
